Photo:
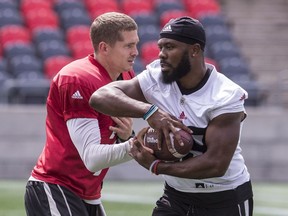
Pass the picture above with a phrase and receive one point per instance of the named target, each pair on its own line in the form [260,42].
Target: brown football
[151,140]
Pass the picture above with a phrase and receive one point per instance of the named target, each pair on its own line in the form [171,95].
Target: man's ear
[103,47]
[195,49]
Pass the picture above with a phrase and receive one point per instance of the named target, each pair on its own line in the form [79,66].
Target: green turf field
[137,199]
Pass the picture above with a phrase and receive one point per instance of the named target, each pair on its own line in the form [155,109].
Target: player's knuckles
[137,144]
[114,129]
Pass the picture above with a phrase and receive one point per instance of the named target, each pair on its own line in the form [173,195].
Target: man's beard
[181,70]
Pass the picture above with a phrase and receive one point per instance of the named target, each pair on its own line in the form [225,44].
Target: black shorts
[44,199]
[238,202]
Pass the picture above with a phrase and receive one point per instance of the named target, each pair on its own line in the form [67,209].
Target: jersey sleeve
[74,99]
[232,104]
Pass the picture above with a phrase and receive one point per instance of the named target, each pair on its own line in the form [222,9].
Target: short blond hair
[108,27]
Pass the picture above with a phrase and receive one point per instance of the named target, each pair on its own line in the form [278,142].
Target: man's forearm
[116,103]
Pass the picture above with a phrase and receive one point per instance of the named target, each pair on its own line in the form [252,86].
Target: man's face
[123,53]
[174,59]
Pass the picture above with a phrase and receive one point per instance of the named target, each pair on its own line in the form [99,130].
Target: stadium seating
[10,16]
[148,33]
[26,6]
[164,6]
[24,63]
[41,18]
[166,16]
[3,64]
[53,65]
[131,7]
[3,77]
[231,66]
[149,51]
[218,33]
[78,40]
[138,66]
[146,18]
[14,34]
[29,75]
[8,4]
[50,33]
[197,8]
[212,19]
[74,16]
[81,49]
[63,5]
[98,11]
[97,7]
[47,49]
[25,90]
[224,49]
[15,49]
[77,33]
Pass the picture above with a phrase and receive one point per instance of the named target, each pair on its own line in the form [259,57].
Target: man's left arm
[221,138]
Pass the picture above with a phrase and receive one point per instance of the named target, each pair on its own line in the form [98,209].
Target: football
[151,139]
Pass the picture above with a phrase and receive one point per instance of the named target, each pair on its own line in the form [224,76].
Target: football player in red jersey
[82,143]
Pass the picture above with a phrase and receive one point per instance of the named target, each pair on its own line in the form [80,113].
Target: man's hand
[140,135]
[143,155]
[123,128]
[165,123]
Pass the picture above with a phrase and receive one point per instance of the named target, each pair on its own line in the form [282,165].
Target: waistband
[215,199]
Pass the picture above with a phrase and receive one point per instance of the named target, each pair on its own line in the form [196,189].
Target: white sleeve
[85,134]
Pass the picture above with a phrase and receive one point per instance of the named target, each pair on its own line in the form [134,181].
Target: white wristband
[150,112]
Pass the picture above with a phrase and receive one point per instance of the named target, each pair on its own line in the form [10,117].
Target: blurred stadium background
[247,41]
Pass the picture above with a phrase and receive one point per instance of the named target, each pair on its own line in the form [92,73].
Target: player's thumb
[137,144]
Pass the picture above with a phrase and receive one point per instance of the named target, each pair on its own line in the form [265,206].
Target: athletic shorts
[51,199]
[238,202]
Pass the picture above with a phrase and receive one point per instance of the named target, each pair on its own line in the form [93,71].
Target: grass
[138,198]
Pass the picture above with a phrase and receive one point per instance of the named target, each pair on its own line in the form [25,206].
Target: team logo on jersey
[77,95]
[182,116]
[243,97]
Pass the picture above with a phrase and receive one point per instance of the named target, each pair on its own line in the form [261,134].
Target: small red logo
[182,115]
[243,97]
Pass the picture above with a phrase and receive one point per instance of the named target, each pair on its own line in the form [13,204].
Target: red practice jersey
[70,91]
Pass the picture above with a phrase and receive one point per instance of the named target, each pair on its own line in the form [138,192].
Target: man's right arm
[126,99]
[120,98]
